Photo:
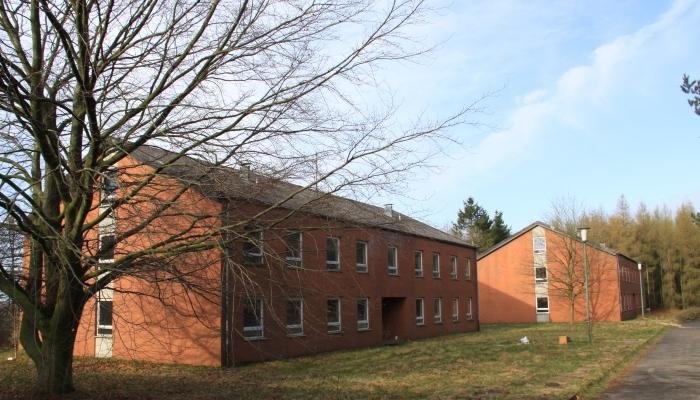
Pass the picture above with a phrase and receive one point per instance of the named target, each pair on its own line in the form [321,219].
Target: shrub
[689,314]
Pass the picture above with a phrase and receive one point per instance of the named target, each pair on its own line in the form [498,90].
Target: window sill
[335,333]
[393,275]
[420,323]
[438,322]
[420,276]
[334,270]
[255,339]
[364,329]
[470,318]
[362,272]
[455,321]
[436,277]
[295,335]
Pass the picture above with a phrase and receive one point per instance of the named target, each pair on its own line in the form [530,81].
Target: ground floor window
[455,310]
[469,308]
[333,315]
[362,314]
[295,317]
[420,312]
[253,318]
[437,310]
[104,317]
[542,304]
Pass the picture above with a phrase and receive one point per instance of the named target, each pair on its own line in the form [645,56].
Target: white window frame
[468,273]
[259,305]
[392,269]
[100,327]
[292,261]
[436,272]
[362,267]
[295,329]
[418,269]
[453,267]
[470,316]
[546,275]
[334,326]
[541,310]
[437,310]
[106,260]
[420,318]
[333,265]
[539,240]
[455,309]
[363,324]
[111,196]
[253,233]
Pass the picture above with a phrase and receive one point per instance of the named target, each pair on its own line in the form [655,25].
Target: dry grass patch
[486,365]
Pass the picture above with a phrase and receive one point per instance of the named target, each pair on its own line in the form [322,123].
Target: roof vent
[389,210]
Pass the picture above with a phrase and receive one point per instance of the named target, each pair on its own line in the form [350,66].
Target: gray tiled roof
[228,183]
[517,234]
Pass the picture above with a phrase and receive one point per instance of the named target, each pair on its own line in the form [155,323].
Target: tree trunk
[49,342]
[571,313]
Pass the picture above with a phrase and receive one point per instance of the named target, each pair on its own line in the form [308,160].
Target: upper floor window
[253,323]
[541,273]
[333,253]
[253,245]
[293,242]
[361,256]
[393,263]
[420,312]
[539,244]
[109,186]
[418,263]
[468,272]
[436,265]
[453,267]
[362,314]
[295,317]
[106,249]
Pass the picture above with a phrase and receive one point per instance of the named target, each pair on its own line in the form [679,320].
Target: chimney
[245,171]
[389,210]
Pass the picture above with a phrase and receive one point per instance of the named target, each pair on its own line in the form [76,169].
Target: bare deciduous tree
[85,84]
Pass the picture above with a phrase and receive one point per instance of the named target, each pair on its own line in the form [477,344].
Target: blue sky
[585,103]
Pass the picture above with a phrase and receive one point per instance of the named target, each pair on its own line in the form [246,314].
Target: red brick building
[537,275]
[311,273]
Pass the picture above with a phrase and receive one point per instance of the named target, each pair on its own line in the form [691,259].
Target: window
[295,317]
[362,314]
[104,317]
[361,255]
[420,312]
[455,309]
[393,266]
[333,315]
[469,308]
[453,267]
[106,251]
[293,242]
[252,247]
[542,304]
[437,310]
[541,274]
[333,254]
[418,261]
[436,265]
[253,319]
[468,272]
[539,244]
[109,186]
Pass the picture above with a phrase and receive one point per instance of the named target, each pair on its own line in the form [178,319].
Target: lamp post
[641,287]
[584,237]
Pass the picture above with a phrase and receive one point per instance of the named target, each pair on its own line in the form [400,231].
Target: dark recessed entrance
[392,321]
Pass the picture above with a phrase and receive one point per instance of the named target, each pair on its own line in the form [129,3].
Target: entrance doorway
[392,321]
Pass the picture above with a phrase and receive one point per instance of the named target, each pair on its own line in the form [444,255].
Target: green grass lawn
[490,364]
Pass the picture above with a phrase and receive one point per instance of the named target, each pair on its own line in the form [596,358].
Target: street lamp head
[583,231]
[639,266]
